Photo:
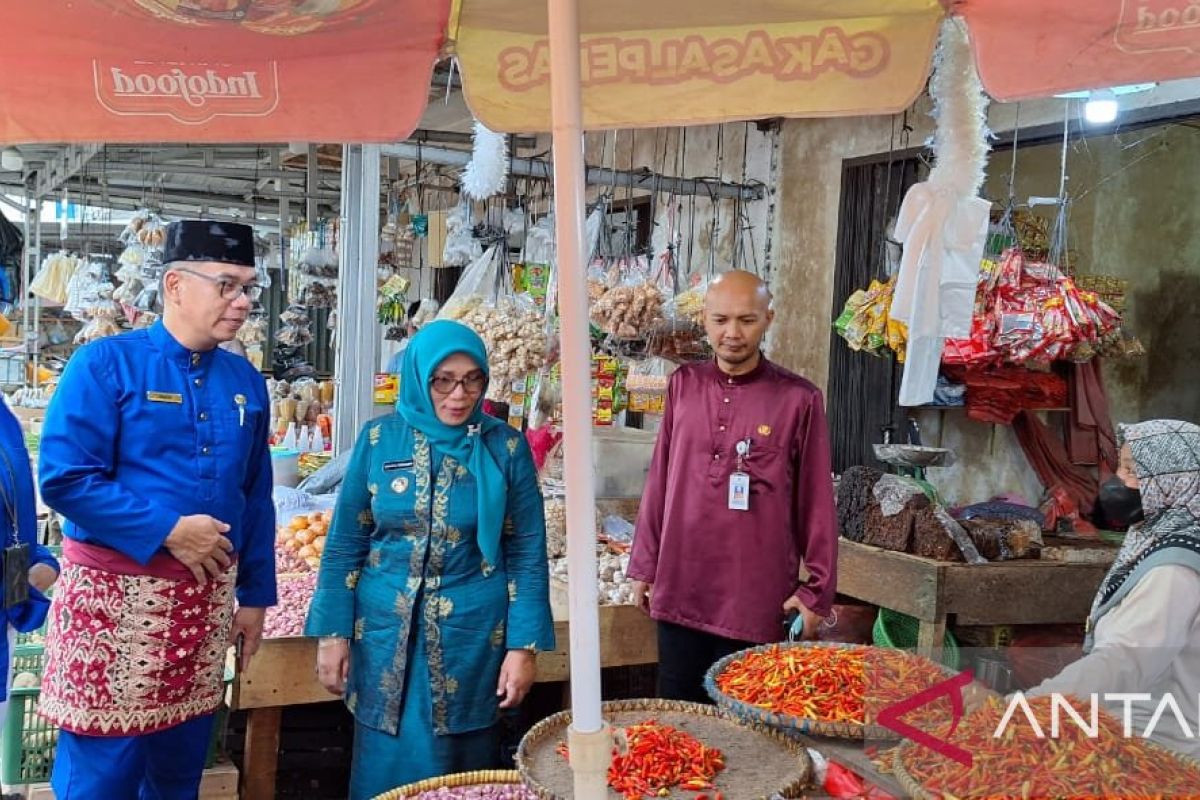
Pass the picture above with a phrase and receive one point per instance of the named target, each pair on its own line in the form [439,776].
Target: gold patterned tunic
[401,564]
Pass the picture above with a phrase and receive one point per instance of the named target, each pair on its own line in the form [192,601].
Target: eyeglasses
[472,384]
[229,289]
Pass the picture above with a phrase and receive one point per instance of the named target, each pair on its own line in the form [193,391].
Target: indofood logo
[1155,25]
[188,93]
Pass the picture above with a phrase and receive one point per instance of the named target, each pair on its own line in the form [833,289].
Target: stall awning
[1038,48]
[685,62]
[215,70]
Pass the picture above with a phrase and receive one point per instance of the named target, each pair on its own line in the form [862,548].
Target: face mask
[1120,505]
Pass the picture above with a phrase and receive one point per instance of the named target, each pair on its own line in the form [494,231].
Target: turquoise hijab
[426,350]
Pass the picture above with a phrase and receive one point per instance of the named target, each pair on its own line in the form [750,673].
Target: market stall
[274,681]
[998,594]
[624,307]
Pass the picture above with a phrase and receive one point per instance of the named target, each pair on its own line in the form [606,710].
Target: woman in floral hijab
[1144,628]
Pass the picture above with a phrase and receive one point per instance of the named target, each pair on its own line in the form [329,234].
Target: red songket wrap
[133,649]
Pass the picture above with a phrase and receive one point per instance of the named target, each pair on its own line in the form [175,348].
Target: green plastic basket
[28,742]
[893,629]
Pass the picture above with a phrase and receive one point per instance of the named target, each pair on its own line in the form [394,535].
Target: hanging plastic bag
[513,331]
[54,278]
[478,285]
[630,308]
[461,248]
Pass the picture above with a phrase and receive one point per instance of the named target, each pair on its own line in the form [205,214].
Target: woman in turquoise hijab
[433,593]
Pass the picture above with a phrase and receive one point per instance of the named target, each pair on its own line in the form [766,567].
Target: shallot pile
[295,596]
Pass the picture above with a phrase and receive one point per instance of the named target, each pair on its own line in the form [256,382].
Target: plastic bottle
[305,443]
[318,441]
[289,438]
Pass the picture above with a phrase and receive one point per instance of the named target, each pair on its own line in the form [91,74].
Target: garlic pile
[628,312]
[556,527]
[615,588]
[515,340]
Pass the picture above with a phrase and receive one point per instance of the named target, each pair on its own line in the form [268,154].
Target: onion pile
[305,537]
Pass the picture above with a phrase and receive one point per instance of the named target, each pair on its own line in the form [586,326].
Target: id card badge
[739,492]
[16,575]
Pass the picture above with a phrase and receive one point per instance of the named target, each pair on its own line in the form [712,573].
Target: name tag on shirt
[392,466]
[739,492]
[164,397]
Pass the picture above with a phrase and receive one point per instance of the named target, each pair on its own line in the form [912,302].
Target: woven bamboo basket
[457,781]
[787,724]
[760,763]
[914,790]
[907,782]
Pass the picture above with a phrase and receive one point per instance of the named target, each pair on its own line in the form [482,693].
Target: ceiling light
[1101,107]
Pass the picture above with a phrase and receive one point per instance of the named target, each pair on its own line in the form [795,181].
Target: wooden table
[282,674]
[1025,592]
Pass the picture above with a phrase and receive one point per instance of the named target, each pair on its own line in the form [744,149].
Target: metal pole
[33,335]
[312,184]
[594,176]
[357,355]
[590,742]
[27,268]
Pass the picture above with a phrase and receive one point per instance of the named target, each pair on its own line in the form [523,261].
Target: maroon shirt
[729,572]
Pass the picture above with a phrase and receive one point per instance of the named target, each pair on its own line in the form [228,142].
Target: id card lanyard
[739,481]
[16,555]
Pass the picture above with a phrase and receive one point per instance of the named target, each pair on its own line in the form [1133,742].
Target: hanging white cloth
[944,235]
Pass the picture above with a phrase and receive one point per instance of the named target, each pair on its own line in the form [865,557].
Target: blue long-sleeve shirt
[16,484]
[142,431]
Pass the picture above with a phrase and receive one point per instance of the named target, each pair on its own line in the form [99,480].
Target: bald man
[738,496]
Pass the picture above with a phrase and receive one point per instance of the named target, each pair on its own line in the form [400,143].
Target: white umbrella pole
[590,743]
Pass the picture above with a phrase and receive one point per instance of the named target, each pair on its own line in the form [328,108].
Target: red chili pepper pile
[1018,764]
[830,684]
[658,758]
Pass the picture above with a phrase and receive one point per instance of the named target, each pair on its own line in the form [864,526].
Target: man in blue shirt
[155,450]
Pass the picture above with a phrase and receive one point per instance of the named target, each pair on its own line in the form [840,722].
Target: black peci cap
[200,240]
